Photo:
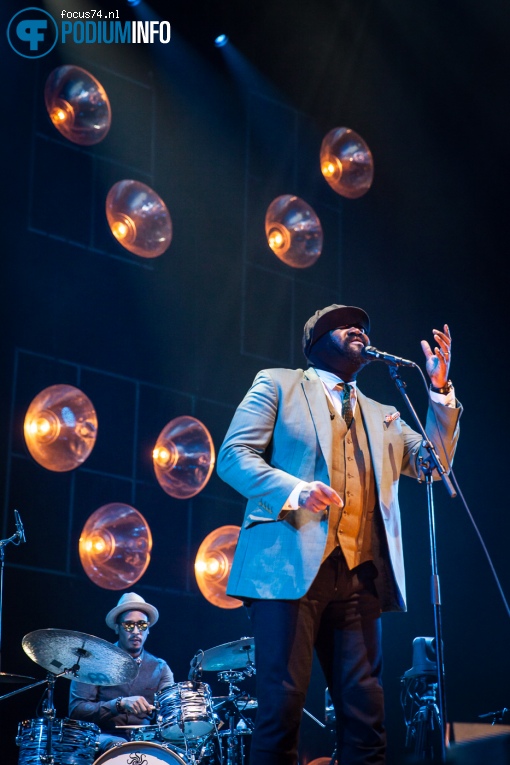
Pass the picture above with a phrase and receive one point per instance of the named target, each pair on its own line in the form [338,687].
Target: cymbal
[234,655]
[96,661]
[7,677]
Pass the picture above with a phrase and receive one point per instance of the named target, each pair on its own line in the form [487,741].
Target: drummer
[129,704]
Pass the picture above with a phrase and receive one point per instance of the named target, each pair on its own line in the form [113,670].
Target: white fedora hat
[130,601]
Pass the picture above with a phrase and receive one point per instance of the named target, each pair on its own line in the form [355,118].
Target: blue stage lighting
[221,40]
[132,3]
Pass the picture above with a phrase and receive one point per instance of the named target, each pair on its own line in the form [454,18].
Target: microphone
[19,527]
[374,355]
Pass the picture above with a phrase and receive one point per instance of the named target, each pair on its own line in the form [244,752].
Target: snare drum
[73,742]
[185,711]
[141,753]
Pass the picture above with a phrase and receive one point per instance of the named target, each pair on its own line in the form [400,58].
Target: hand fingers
[443,340]
[324,495]
[330,493]
[138,705]
[427,350]
[317,496]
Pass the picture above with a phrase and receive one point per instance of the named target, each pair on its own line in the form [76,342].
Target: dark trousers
[339,617]
[108,741]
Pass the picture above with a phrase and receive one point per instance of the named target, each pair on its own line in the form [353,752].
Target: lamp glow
[115,546]
[213,564]
[293,231]
[77,105]
[60,428]
[346,163]
[183,457]
[138,219]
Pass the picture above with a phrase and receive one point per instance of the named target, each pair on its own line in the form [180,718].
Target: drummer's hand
[137,705]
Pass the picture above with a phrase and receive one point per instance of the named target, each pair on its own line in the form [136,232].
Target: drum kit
[191,726]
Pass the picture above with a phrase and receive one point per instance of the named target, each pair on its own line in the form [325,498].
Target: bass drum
[140,753]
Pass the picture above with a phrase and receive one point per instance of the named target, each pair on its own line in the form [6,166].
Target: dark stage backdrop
[219,134]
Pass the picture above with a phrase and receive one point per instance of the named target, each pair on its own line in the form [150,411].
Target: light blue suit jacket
[281,434]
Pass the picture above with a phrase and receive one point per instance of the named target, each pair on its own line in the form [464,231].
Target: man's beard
[351,354]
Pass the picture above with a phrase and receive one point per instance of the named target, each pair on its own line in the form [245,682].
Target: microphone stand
[427,466]
[16,539]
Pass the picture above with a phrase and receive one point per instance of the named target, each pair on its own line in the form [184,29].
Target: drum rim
[137,746]
[71,723]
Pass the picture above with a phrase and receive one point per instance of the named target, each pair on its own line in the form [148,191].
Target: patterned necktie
[346,405]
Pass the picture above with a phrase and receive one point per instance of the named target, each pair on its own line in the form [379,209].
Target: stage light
[78,105]
[183,457]
[213,563]
[60,428]
[293,231]
[133,3]
[138,218]
[221,40]
[347,163]
[115,546]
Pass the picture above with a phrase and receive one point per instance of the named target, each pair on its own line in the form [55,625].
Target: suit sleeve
[442,427]
[167,676]
[243,459]
[84,704]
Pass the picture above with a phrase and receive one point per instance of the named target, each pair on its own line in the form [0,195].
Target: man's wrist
[444,390]
[118,704]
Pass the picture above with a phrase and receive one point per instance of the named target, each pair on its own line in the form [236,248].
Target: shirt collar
[330,379]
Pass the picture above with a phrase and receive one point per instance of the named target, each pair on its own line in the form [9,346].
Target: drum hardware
[239,726]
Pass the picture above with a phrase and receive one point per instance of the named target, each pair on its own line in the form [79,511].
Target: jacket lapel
[317,402]
[375,434]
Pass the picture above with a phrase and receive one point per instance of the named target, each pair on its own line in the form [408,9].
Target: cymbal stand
[235,745]
[49,715]
[48,706]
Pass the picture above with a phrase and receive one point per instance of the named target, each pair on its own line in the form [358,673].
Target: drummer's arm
[84,704]
[167,677]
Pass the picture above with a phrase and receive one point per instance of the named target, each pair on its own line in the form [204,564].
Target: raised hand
[438,360]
